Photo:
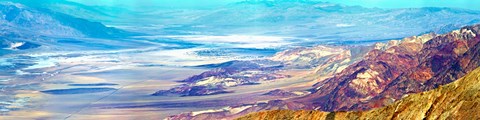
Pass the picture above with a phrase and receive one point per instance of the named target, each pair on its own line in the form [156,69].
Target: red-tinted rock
[409,67]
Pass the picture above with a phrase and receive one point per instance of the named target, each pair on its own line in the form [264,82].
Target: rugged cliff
[411,65]
[457,100]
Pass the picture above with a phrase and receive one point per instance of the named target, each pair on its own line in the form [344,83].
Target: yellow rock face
[459,100]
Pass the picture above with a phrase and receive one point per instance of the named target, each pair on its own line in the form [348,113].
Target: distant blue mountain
[23,21]
[316,21]
[332,21]
[92,13]
[300,18]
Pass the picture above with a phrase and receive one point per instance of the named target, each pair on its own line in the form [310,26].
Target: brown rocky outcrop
[459,100]
[411,65]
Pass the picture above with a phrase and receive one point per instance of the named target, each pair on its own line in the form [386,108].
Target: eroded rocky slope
[459,100]
[413,65]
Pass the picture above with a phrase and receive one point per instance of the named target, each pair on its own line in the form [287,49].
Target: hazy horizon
[385,4]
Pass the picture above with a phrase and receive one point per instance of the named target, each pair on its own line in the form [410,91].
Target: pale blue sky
[466,4]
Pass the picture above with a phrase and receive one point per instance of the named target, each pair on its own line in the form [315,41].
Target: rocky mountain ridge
[384,75]
[412,66]
[456,100]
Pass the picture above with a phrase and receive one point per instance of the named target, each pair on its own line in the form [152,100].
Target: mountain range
[20,21]
[315,20]
[408,66]
[327,21]
[389,72]
[456,100]
[385,80]
[324,60]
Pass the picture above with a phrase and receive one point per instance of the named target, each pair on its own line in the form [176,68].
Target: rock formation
[459,100]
